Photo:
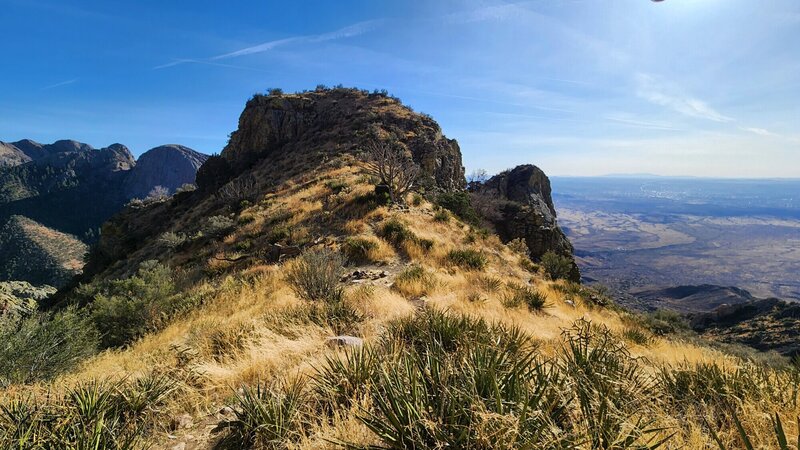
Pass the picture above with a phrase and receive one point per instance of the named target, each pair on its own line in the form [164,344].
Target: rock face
[519,205]
[329,122]
[170,166]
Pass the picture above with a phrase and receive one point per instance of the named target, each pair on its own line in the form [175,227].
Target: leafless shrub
[390,163]
[238,189]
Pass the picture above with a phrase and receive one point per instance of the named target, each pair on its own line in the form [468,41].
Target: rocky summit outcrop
[324,123]
[518,204]
[169,166]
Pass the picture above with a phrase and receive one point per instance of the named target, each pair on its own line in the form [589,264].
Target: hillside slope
[283,304]
[38,254]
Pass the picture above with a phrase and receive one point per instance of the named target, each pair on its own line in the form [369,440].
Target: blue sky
[578,87]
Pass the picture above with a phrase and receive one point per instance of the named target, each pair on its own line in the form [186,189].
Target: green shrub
[557,267]
[664,321]
[124,310]
[519,246]
[414,280]
[315,275]
[441,216]
[337,185]
[267,416]
[525,295]
[357,250]
[416,200]
[217,226]
[425,244]
[171,240]
[43,346]
[467,259]
[278,234]
[396,233]
[460,204]
[637,336]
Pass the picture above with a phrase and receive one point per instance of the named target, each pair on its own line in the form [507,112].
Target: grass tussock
[415,281]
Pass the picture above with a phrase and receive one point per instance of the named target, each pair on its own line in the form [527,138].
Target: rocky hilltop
[322,124]
[290,135]
[519,205]
[169,166]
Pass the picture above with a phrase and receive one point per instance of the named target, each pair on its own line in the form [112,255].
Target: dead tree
[389,162]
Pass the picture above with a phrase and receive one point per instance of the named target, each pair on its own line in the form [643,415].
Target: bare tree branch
[389,162]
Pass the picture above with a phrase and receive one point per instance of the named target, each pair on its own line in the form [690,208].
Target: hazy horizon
[674,88]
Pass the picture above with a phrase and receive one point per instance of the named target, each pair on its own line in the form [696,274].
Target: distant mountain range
[54,197]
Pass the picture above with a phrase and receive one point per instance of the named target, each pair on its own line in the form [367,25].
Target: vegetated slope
[466,342]
[765,324]
[20,297]
[38,254]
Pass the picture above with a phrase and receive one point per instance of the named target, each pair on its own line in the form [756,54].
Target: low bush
[460,204]
[533,299]
[556,267]
[217,226]
[359,250]
[124,310]
[396,233]
[467,259]
[414,281]
[441,216]
[663,322]
[315,275]
[637,336]
[171,240]
[519,246]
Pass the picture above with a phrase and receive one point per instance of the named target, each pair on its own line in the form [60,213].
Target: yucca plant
[612,390]
[777,425]
[345,377]
[267,416]
[489,393]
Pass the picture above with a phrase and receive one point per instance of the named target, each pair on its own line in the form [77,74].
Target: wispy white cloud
[645,124]
[353,30]
[486,13]
[260,48]
[663,93]
[759,131]
[62,83]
